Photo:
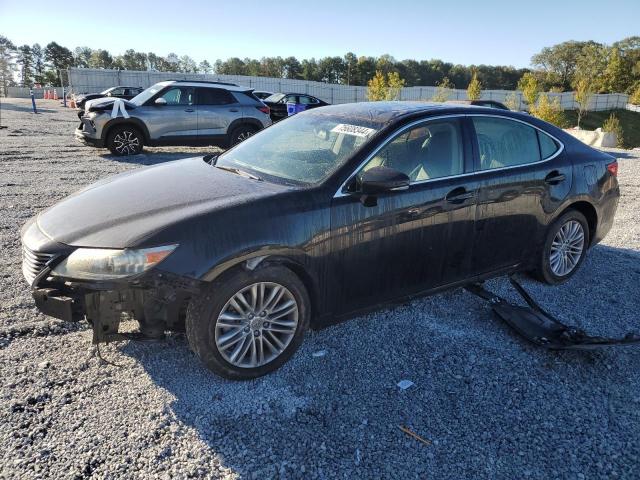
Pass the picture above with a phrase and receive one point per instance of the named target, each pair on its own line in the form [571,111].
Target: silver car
[174,113]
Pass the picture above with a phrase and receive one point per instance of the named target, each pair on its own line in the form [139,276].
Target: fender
[139,124]
[293,258]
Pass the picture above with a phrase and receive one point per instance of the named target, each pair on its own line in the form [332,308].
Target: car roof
[381,114]
[201,83]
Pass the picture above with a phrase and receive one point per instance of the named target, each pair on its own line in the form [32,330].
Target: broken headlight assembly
[110,264]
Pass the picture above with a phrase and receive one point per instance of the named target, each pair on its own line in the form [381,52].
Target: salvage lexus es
[328,213]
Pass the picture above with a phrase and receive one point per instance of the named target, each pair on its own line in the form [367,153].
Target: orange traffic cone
[45,95]
[72,103]
[55,94]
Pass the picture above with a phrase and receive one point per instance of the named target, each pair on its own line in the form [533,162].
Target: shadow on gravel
[480,392]
[10,107]
[155,157]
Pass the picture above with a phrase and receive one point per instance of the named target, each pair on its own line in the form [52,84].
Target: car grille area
[33,263]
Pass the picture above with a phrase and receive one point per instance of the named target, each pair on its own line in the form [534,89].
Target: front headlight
[107,264]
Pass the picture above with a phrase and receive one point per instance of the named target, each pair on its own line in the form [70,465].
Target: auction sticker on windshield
[354,130]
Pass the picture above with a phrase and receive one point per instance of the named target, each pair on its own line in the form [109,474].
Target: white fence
[84,80]
[21,92]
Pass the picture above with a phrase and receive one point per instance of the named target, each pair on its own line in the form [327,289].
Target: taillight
[264,109]
[613,168]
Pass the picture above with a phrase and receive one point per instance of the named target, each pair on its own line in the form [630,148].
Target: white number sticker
[354,130]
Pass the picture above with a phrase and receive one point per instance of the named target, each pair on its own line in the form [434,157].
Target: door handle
[459,195]
[234,110]
[554,178]
[189,110]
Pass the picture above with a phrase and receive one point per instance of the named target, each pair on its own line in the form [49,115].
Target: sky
[466,32]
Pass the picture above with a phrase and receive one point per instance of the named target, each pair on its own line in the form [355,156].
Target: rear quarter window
[548,146]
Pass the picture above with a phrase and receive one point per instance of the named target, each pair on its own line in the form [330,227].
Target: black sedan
[278,103]
[335,211]
[118,92]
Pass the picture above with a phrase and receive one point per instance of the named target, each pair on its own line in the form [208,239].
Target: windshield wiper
[237,171]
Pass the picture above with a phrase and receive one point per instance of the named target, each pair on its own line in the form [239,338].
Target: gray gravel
[490,405]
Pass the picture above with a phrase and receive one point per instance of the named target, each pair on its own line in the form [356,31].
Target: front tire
[249,323]
[240,134]
[564,249]
[125,140]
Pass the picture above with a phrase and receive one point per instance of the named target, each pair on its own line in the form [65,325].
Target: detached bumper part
[541,328]
[55,304]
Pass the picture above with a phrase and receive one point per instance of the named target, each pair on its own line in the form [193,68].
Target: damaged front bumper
[156,300]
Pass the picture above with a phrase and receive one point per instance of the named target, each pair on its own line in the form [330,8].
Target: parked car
[262,94]
[278,103]
[117,92]
[481,103]
[333,212]
[174,113]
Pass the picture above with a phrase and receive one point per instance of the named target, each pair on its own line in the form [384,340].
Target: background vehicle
[330,213]
[117,92]
[262,94]
[278,103]
[175,113]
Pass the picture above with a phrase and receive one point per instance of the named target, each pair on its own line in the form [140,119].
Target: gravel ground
[489,404]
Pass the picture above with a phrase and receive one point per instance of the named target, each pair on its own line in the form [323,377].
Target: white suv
[174,112]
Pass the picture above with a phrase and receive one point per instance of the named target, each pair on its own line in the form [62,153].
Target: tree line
[610,68]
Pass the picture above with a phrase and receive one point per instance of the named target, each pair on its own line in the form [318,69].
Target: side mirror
[109,94]
[160,102]
[382,179]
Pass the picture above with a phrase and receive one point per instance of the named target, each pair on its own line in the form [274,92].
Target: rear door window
[214,96]
[548,146]
[505,143]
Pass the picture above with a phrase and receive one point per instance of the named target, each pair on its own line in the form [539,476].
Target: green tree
[549,110]
[443,92]
[474,90]
[25,63]
[377,87]
[7,65]
[38,63]
[616,77]
[292,68]
[205,67]
[530,89]
[59,57]
[583,94]
[511,101]
[634,98]
[81,56]
[560,62]
[188,64]
[612,125]
[100,59]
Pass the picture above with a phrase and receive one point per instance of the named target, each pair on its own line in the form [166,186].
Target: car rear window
[214,96]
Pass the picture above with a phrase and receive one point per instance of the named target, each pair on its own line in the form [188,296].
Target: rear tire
[125,140]
[237,332]
[564,249]
[240,134]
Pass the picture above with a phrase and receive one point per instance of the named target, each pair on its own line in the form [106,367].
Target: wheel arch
[291,259]
[590,213]
[117,122]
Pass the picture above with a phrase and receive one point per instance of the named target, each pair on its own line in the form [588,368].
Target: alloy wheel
[126,142]
[566,248]
[256,324]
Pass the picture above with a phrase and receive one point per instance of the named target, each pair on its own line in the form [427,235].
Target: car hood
[106,103]
[124,210]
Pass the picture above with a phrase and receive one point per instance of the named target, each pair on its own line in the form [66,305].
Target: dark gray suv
[173,113]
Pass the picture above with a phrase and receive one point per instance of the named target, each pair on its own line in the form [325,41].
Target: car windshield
[145,95]
[304,149]
[275,98]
